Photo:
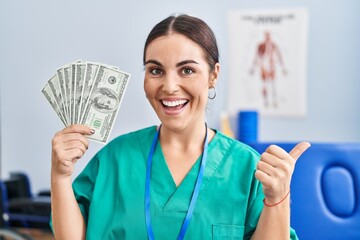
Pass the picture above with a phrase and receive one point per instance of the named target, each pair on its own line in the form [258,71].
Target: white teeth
[174,103]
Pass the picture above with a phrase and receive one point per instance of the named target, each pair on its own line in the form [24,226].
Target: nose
[170,83]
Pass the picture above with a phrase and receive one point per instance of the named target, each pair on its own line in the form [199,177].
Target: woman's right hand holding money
[68,146]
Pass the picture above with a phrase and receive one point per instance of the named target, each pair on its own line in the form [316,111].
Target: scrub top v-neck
[194,194]
[110,192]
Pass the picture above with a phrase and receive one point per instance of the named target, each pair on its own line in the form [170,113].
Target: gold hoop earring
[213,95]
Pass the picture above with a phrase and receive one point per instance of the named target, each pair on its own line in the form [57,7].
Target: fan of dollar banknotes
[87,93]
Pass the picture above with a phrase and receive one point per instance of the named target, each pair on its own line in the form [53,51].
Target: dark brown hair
[191,27]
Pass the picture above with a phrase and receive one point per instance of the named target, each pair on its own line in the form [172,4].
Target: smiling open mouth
[178,104]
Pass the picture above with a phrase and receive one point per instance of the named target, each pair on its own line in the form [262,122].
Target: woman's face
[177,79]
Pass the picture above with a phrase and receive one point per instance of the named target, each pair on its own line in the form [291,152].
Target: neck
[185,139]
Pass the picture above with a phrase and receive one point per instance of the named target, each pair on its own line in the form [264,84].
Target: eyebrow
[153,62]
[185,62]
[177,65]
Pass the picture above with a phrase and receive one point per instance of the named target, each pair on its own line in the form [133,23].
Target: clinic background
[38,36]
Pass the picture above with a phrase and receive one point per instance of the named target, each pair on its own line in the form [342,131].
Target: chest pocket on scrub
[221,232]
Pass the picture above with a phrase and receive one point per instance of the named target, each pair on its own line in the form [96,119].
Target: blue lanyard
[194,196]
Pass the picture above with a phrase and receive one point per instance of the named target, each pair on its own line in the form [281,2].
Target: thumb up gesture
[275,169]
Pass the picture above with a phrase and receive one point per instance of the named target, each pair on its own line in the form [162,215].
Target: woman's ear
[214,75]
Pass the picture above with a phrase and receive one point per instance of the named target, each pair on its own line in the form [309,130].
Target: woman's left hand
[275,169]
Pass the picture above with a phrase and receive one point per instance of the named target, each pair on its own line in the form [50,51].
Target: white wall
[37,36]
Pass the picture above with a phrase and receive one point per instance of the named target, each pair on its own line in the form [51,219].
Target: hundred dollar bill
[60,76]
[79,81]
[51,99]
[55,88]
[103,104]
[69,80]
[90,74]
[72,90]
[67,87]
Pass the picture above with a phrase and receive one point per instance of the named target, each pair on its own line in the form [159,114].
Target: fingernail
[92,131]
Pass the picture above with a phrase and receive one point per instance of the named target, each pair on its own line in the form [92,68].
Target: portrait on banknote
[105,100]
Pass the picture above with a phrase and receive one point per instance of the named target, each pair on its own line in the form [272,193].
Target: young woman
[180,179]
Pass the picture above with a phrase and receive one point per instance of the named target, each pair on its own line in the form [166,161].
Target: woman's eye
[155,71]
[187,71]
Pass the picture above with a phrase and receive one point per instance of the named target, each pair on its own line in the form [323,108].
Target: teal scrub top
[110,192]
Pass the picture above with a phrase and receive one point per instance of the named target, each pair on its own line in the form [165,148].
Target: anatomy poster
[267,62]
